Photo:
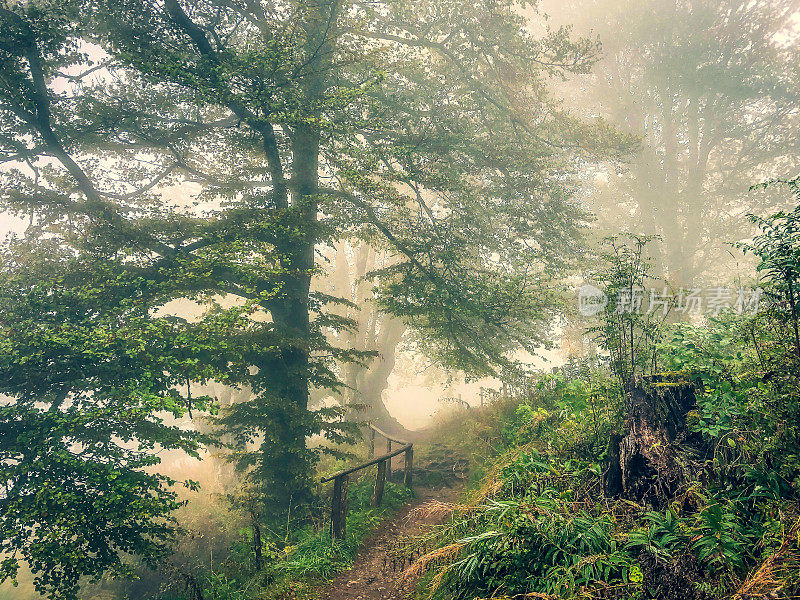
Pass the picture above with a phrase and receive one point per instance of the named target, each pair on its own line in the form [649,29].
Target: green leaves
[665,535]
[88,375]
[537,546]
[207,156]
[628,333]
[720,543]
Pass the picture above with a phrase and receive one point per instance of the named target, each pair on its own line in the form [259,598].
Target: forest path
[372,577]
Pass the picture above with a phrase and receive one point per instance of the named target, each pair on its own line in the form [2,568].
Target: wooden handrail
[386,435]
[384,462]
[374,461]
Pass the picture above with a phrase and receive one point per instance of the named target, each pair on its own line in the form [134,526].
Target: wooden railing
[384,462]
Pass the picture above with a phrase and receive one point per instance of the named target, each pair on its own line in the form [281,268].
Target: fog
[683,107]
[705,136]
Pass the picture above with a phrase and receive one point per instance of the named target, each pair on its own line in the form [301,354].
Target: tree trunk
[339,508]
[374,378]
[375,332]
[257,556]
[377,414]
[290,311]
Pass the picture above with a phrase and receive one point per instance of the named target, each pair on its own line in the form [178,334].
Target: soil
[372,576]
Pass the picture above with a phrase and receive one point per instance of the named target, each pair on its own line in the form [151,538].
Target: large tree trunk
[292,459]
[373,379]
[375,332]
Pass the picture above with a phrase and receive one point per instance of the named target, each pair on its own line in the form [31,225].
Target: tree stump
[642,465]
[612,474]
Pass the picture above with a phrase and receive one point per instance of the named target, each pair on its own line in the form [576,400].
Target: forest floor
[373,576]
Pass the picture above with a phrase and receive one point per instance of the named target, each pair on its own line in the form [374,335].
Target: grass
[303,569]
[536,524]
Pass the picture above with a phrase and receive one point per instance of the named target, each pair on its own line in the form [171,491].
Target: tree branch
[179,17]
[41,122]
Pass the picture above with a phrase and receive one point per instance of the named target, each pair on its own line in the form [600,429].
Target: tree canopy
[195,150]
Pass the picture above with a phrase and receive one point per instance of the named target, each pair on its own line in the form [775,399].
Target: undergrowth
[297,563]
[670,470]
[539,526]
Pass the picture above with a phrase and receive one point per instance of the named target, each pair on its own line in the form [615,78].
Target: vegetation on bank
[700,425]
[534,465]
[538,524]
[214,559]
[304,564]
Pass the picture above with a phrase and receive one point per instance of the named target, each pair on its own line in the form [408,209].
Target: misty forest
[399,299]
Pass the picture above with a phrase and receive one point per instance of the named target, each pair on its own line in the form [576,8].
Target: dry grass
[437,510]
[519,596]
[773,573]
[445,553]
[586,594]
[493,482]
[436,582]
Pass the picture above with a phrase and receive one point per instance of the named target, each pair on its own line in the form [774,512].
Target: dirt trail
[370,577]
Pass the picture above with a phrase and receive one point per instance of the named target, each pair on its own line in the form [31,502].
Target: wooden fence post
[380,483]
[384,462]
[339,508]
[371,443]
[409,455]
